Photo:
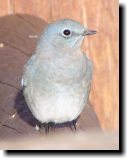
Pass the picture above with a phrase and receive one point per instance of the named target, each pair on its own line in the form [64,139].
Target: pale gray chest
[63,71]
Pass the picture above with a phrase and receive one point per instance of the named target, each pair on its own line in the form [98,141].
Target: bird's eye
[66,32]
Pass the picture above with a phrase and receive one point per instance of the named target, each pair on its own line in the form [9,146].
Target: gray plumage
[57,78]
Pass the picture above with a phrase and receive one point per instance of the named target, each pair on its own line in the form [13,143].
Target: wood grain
[101,48]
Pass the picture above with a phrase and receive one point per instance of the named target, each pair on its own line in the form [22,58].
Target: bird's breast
[59,70]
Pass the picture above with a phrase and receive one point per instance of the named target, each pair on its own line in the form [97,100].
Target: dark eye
[66,32]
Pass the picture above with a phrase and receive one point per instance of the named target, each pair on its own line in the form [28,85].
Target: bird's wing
[89,72]
[26,70]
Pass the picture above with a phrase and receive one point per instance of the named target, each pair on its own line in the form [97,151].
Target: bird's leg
[46,126]
[41,126]
[74,124]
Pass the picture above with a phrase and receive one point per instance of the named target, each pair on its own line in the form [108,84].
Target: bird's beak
[89,32]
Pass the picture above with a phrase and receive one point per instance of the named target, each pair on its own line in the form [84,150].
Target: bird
[57,78]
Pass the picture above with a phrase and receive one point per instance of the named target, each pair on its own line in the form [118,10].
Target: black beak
[89,32]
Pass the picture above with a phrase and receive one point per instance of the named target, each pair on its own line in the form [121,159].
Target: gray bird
[56,79]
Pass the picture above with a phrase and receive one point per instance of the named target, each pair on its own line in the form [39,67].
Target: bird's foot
[47,126]
[74,125]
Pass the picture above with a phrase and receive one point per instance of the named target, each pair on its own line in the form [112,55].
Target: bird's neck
[45,49]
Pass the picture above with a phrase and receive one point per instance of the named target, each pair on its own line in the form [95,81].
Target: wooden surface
[63,141]
[102,48]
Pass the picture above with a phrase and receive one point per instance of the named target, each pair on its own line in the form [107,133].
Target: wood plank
[103,50]
[4,7]
[40,8]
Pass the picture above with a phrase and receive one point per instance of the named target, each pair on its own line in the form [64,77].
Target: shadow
[23,110]
[122,69]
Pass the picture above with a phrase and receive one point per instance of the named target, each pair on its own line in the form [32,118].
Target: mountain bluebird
[56,79]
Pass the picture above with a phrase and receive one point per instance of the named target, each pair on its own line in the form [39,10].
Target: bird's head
[65,34]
